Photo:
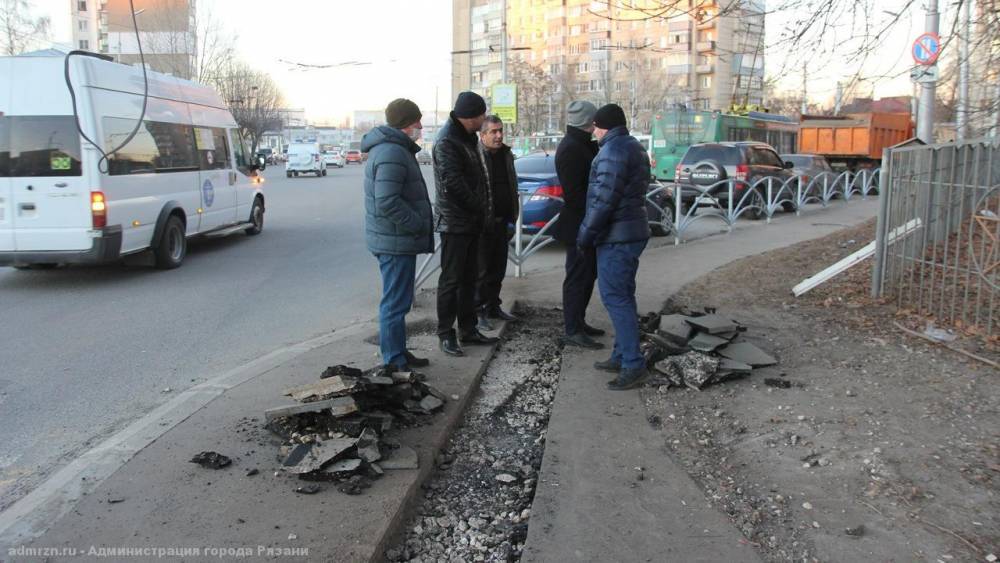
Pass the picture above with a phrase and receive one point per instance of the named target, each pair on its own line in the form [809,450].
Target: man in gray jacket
[398,222]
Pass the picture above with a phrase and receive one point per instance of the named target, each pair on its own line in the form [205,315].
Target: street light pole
[925,113]
[962,117]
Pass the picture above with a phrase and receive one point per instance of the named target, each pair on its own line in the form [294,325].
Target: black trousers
[456,293]
[578,286]
[493,249]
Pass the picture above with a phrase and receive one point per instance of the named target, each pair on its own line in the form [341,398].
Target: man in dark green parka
[398,222]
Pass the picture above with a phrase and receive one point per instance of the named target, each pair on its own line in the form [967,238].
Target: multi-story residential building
[984,67]
[705,54]
[167,30]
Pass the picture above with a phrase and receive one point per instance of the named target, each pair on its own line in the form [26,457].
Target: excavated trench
[477,504]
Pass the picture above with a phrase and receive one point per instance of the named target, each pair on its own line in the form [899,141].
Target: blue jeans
[617,264]
[398,273]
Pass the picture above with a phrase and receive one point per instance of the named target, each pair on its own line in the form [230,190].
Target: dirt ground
[885,447]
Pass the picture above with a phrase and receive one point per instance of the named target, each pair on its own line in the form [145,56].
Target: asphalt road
[89,350]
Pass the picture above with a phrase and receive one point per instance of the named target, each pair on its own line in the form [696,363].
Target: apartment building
[703,54]
[167,30]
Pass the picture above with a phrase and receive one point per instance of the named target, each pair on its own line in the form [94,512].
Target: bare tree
[254,100]
[19,29]
[535,92]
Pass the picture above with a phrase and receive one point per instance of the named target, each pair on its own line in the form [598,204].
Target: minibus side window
[213,151]
[240,153]
[4,147]
[42,145]
[157,147]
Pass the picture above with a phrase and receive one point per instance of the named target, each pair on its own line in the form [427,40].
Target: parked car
[424,157]
[354,156]
[334,158]
[809,166]
[304,158]
[536,175]
[267,154]
[186,171]
[705,166]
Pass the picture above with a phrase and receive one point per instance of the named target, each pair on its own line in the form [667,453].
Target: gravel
[477,506]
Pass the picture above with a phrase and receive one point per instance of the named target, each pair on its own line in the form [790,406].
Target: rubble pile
[692,349]
[337,430]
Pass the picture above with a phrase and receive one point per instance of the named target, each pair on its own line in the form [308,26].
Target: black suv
[705,166]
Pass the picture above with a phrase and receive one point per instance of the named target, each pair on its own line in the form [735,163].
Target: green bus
[676,130]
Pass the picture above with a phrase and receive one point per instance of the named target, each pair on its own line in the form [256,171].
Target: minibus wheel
[172,249]
[256,218]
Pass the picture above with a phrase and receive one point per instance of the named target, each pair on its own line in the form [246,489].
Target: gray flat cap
[580,113]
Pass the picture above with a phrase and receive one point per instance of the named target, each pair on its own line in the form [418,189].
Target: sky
[408,43]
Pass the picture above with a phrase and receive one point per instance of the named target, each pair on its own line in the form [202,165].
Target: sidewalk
[589,504]
[163,501]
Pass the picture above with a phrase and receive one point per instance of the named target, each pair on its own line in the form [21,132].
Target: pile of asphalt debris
[696,349]
[336,432]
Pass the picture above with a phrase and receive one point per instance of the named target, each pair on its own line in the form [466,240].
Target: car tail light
[742,172]
[546,192]
[539,224]
[98,210]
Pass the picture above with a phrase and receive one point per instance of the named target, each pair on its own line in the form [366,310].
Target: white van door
[246,189]
[6,195]
[218,186]
[50,201]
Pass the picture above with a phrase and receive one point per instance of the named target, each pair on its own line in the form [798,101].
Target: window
[706,81]
[82,5]
[39,146]
[764,157]
[213,151]
[156,148]
[84,45]
[81,25]
[240,153]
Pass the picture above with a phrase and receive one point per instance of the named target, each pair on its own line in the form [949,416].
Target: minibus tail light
[98,210]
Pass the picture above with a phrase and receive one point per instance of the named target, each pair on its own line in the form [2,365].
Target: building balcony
[704,46]
[704,69]
[559,41]
[707,23]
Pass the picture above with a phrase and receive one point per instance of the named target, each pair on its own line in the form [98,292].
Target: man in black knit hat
[617,225]
[462,207]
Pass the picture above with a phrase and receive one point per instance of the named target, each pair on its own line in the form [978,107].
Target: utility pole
[503,42]
[962,115]
[805,86]
[925,112]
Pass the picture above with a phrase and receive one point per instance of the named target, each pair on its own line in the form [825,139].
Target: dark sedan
[536,175]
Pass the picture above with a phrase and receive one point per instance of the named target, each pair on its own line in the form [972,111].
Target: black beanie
[469,104]
[401,113]
[609,117]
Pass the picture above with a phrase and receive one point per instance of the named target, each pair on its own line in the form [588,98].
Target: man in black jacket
[573,157]
[462,206]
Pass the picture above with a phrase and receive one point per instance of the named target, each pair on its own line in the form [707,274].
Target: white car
[334,158]
[304,158]
[185,172]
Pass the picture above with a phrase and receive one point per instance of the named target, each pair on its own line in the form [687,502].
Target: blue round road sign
[926,49]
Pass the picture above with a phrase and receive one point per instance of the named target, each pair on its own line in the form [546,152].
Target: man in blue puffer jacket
[616,223]
[398,222]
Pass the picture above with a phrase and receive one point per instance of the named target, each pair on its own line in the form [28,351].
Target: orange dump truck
[854,140]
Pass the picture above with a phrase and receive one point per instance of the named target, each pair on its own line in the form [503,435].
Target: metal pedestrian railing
[673,209]
[948,268]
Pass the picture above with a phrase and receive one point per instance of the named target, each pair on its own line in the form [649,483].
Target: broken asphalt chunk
[734,366]
[297,454]
[340,370]
[344,466]
[211,460]
[706,342]
[319,455]
[676,328]
[338,406]
[713,324]
[430,403]
[748,354]
[309,489]
[333,386]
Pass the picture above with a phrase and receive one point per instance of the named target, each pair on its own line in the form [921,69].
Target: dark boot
[610,365]
[581,340]
[592,330]
[629,378]
[484,323]
[478,338]
[498,313]
[415,361]
[450,346]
